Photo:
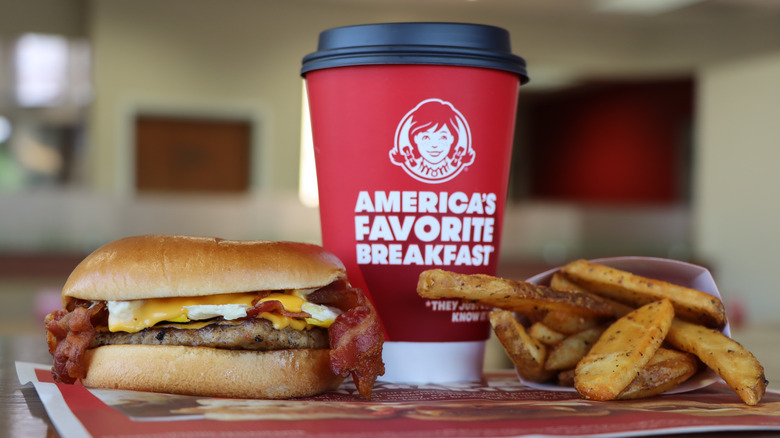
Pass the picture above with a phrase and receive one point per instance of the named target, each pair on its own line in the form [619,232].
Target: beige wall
[737,195]
[46,16]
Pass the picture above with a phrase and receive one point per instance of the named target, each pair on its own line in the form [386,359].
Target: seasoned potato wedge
[561,282]
[635,290]
[665,371]
[517,296]
[622,351]
[526,353]
[567,353]
[570,323]
[544,334]
[730,360]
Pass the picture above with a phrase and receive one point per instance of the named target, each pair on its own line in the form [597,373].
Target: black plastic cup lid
[463,44]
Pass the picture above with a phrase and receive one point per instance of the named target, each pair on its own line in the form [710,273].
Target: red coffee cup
[412,125]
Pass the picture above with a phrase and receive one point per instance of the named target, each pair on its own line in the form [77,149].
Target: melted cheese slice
[135,315]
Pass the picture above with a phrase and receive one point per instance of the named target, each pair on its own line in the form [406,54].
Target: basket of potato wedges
[611,329]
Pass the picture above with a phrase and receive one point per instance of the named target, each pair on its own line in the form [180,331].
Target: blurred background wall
[672,119]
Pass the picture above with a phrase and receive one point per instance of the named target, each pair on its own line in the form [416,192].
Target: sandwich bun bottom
[211,372]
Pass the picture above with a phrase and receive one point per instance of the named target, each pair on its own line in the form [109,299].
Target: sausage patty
[251,334]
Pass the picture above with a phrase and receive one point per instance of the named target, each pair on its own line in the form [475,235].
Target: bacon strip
[273,306]
[69,335]
[356,336]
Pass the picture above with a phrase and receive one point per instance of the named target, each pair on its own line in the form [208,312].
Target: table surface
[22,413]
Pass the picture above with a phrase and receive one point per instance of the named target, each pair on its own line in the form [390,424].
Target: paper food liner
[672,271]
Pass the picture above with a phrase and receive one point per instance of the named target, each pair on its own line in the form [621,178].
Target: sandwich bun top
[161,266]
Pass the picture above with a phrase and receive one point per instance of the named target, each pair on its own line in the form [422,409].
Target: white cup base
[433,362]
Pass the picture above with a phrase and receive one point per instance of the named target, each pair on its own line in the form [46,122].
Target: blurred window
[41,63]
[5,129]
[45,87]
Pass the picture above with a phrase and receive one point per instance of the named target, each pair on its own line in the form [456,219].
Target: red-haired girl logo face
[433,142]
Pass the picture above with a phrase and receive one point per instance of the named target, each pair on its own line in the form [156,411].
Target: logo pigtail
[456,157]
[403,158]
[409,156]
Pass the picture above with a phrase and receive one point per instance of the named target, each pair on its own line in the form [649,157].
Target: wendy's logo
[433,142]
